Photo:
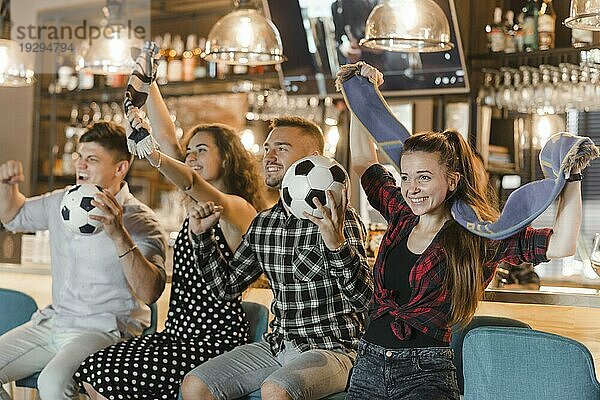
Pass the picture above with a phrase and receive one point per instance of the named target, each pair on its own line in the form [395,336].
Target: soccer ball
[76,208]
[308,178]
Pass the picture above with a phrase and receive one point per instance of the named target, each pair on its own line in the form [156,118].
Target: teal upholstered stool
[15,310]
[502,363]
[458,337]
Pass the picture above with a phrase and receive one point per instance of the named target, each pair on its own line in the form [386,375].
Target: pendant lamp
[244,37]
[584,14]
[111,53]
[410,26]
[15,67]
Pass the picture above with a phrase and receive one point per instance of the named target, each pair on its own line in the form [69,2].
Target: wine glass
[595,257]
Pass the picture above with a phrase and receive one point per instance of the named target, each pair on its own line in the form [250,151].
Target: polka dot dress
[198,328]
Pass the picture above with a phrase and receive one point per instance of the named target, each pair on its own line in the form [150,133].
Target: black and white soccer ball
[76,208]
[308,178]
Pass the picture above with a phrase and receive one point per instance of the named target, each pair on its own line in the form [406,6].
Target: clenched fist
[204,216]
[369,71]
[11,172]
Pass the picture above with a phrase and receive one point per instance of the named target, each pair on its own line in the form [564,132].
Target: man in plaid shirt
[321,282]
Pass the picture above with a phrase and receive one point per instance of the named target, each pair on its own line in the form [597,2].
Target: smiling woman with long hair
[217,175]
[430,272]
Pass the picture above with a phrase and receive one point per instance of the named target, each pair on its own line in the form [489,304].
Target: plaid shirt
[320,296]
[428,309]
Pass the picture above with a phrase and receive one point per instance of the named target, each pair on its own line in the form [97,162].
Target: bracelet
[157,166]
[129,250]
[574,177]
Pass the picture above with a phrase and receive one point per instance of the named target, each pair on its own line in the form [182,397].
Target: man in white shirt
[99,283]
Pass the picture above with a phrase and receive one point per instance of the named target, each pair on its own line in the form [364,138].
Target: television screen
[319,36]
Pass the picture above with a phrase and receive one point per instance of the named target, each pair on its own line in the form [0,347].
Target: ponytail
[465,252]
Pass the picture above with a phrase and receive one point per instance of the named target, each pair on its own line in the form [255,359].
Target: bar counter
[556,298]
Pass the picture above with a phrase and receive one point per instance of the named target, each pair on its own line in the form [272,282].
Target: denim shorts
[409,374]
[312,374]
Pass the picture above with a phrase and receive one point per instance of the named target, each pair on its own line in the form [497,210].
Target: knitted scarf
[562,152]
[140,142]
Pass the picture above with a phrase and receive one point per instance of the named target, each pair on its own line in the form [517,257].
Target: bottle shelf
[235,83]
[534,58]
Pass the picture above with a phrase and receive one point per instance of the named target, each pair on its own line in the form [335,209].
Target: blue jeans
[408,374]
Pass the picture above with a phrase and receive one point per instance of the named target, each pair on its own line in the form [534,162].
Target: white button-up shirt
[89,288]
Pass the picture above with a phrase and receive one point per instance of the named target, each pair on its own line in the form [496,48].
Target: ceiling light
[244,37]
[111,52]
[411,26]
[584,14]
[15,65]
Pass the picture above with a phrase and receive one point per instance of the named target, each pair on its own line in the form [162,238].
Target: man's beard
[273,183]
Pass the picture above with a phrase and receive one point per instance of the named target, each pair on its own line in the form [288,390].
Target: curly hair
[241,174]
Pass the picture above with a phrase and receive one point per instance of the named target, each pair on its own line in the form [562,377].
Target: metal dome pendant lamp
[410,26]
[244,37]
[110,54]
[584,14]
[15,67]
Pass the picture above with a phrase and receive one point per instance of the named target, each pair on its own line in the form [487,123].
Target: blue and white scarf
[562,152]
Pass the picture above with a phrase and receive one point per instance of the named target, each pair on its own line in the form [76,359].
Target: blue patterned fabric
[561,153]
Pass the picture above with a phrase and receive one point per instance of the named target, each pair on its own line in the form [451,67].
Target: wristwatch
[574,177]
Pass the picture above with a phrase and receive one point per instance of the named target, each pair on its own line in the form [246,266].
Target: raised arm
[236,210]
[164,128]
[363,152]
[11,199]
[563,242]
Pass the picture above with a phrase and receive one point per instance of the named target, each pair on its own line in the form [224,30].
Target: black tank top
[398,264]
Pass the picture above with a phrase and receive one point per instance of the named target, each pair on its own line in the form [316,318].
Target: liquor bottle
[71,134]
[510,39]
[519,33]
[200,70]
[497,32]
[189,60]
[162,68]
[530,25]
[223,70]
[546,25]
[175,68]
[86,79]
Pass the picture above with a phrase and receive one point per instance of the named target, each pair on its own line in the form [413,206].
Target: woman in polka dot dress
[217,170]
